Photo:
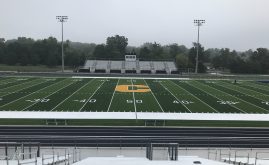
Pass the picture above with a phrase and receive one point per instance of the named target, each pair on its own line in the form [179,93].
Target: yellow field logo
[132,88]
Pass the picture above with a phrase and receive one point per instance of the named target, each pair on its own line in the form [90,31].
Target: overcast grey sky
[236,24]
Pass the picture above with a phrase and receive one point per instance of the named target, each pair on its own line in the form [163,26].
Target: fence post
[256,157]
[68,158]
[6,151]
[73,155]
[235,154]
[42,159]
[53,156]
[65,157]
[35,159]
[38,150]
[229,156]
[30,151]
[22,151]
[7,160]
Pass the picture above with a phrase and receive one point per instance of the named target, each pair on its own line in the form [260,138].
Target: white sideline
[161,78]
[132,115]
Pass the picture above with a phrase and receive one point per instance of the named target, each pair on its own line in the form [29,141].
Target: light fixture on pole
[62,19]
[198,23]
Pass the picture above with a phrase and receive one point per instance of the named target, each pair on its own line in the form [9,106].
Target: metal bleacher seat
[171,66]
[101,66]
[130,67]
[115,66]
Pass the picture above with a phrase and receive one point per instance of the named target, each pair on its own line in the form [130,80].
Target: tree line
[26,51]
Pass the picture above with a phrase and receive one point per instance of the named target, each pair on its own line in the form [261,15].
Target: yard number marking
[228,102]
[85,100]
[182,102]
[38,100]
[1,99]
[136,101]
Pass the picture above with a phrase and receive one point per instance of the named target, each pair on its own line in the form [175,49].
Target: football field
[133,95]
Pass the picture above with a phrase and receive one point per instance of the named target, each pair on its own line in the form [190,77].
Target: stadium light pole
[62,19]
[198,23]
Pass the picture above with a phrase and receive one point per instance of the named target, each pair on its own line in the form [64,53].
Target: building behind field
[131,65]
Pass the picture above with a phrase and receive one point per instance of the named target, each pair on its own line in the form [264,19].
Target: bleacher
[129,65]
[159,67]
[145,67]
[101,66]
[87,66]
[172,67]
[115,67]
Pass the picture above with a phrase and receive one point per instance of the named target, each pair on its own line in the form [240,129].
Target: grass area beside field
[37,68]
[171,123]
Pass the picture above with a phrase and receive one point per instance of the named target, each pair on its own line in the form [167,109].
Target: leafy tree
[181,61]
[100,51]
[175,49]
[144,53]
[2,49]
[116,45]
[192,57]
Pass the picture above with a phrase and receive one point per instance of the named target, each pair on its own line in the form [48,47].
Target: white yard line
[196,97]
[91,96]
[48,95]
[246,93]
[72,94]
[175,97]
[258,86]
[244,100]
[218,98]
[18,84]
[25,95]
[18,90]
[134,99]
[112,96]
[154,96]
[8,81]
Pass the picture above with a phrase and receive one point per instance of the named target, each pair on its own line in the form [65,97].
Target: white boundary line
[49,95]
[154,96]
[195,97]
[160,78]
[166,88]
[216,96]
[72,94]
[112,97]
[91,95]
